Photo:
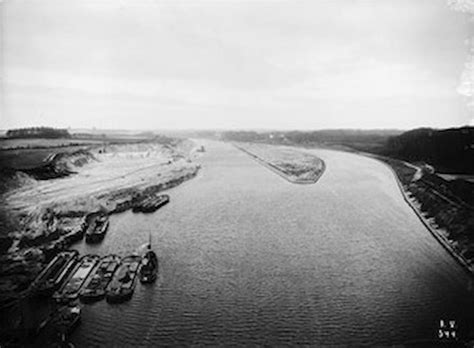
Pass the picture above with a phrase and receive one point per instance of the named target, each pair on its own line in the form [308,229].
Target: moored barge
[70,290]
[121,288]
[95,287]
[97,227]
[151,204]
[55,273]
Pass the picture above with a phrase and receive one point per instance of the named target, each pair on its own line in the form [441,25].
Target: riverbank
[433,208]
[293,165]
[441,205]
[436,202]
[42,217]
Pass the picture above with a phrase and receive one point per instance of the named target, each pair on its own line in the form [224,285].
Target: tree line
[38,132]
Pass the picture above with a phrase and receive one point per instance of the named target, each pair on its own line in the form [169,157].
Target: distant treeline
[448,150]
[363,140]
[38,132]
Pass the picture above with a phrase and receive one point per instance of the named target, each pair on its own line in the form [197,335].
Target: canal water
[249,258]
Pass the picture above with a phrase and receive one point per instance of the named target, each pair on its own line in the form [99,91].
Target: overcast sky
[233,64]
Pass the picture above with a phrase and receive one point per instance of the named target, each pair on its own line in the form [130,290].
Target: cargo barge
[95,286]
[70,290]
[55,273]
[97,227]
[151,204]
[121,288]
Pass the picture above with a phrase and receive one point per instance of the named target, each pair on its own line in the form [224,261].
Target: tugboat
[151,204]
[121,288]
[95,287]
[149,269]
[97,228]
[66,319]
[55,273]
[70,290]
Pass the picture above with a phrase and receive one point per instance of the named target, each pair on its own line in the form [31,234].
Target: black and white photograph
[245,173]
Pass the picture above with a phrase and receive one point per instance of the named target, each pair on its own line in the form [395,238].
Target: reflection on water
[246,257]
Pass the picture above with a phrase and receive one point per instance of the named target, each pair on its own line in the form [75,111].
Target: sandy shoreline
[49,215]
[292,165]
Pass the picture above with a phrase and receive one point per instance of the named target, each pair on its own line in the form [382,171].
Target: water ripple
[249,259]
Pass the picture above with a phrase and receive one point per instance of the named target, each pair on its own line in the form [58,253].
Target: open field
[20,159]
[23,154]
[6,143]
[27,153]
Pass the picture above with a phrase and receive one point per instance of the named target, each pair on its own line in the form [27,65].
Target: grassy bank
[449,219]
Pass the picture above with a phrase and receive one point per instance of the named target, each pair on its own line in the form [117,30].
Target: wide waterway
[249,258]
